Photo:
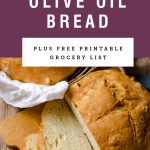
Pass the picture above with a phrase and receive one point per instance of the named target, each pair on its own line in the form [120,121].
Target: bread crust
[115,107]
[16,128]
[40,75]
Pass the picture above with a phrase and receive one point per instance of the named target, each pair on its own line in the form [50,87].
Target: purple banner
[18,19]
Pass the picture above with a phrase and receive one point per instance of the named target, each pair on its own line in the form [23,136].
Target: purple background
[18,20]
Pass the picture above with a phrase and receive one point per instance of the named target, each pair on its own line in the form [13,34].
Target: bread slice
[83,125]
[15,129]
[60,130]
[31,142]
[115,108]
[40,75]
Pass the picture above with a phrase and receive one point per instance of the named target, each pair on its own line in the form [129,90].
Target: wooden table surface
[5,111]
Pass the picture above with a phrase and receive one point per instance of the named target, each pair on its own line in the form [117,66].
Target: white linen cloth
[24,95]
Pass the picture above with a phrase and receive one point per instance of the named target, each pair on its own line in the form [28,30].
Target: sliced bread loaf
[115,107]
[60,130]
[15,129]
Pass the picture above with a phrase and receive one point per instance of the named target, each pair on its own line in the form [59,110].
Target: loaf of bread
[60,130]
[40,75]
[115,108]
[16,128]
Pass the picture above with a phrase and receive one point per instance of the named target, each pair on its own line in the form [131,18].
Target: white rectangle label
[82,52]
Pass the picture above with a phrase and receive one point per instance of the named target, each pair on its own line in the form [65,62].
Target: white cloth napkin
[25,95]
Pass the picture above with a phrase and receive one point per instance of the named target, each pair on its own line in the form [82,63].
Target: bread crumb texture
[60,130]
[116,109]
[31,142]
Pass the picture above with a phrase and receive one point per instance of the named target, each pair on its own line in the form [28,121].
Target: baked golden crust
[115,107]
[16,128]
[40,75]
